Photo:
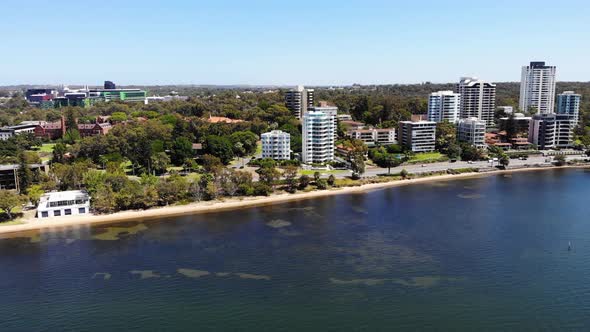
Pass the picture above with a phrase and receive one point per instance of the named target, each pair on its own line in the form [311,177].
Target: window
[82,210]
[68,212]
[44,214]
[57,213]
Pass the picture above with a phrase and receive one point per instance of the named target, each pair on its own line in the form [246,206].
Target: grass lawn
[426,157]
[47,147]
[258,149]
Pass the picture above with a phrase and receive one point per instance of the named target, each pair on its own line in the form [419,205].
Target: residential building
[568,102]
[521,122]
[318,137]
[9,174]
[444,106]
[63,203]
[418,136]
[299,100]
[333,111]
[51,130]
[472,131]
[344,117]
[276,145]
[478,99]
[94,129]
[10,131]
[374,136]
[537,88]
[551,131]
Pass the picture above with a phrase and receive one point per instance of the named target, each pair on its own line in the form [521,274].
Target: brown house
[51,130]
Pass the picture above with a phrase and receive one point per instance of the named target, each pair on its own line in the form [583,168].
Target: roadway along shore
[236,203]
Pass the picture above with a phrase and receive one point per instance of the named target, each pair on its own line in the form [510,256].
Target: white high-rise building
[418,136]
[318,137]
[331,110]
[478,99]
[537,88]
[472,131]
[551,131]
[299,100]
[568,102]
[276,145]
[444,106]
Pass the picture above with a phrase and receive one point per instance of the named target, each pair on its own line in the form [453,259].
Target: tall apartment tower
[537,88]
[330,110]
[568,102]
[318,137]
[551,131]
[444,106]
[478,99]
[299,100]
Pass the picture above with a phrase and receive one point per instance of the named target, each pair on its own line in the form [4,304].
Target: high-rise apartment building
[478,99]
[537,88]
[299,100]
[318,137]
[568,102]
[276,145]
[444,106]
[331,110]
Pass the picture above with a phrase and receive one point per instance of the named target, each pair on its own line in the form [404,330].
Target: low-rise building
[472,131]
[374,136]
[94,129]
[552,131]
[63,203]
[418,136]
[10,131]
[276,145]
[521,122]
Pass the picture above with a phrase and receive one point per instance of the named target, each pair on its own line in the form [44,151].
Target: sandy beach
[238,202]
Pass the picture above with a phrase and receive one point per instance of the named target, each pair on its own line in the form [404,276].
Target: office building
[537,88]
[276,145]
[125,95]
[418,136]
[63,203]
[10,131]
[551,131]
[568,102]
[444,106]
[299,100]
[318,137]
[478,99]
[472,131]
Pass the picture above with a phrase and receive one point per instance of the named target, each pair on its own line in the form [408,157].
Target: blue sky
[288,42]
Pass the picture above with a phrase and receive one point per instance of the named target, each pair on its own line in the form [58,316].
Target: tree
[247,140]
[25,175]
[356,155]
[446,135]
[403,173]
[454,151]
[331,180]
[211,164]
[470,152]
[220,147]
[322,184]
[391,161]
[304,181]
[34,193]
[268,175]
[560,160]
[9,200]
[290,175]
[504,160]
[182,149]
[59,151]
[317,176]
[118,117]
[159,162]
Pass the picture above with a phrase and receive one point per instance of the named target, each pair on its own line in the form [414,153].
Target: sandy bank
[237,203]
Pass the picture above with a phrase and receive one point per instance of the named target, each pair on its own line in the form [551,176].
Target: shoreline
[244,202]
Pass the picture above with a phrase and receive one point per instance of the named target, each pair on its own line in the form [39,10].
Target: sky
[258,42]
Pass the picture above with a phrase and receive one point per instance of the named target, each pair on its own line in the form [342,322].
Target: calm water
[486,254]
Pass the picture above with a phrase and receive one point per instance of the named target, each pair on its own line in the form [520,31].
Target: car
[470,162]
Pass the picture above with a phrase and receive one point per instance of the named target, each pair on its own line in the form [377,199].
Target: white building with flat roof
[63,203]
[444,106]
[331,110]
[568,102]
[418,136]
[276,145]
[318,137]
[372,136]
[537,88]
[472,131]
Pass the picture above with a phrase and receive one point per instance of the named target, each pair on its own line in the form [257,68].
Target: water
[486,254]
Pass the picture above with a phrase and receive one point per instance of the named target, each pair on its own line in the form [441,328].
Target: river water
[488,254]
